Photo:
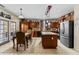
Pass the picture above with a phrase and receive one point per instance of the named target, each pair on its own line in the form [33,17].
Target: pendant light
[21,15]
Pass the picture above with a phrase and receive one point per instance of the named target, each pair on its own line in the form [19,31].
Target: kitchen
[47,23]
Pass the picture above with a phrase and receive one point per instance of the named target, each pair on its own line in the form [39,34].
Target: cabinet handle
[52,38]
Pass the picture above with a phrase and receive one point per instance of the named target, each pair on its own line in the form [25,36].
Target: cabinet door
[3,31]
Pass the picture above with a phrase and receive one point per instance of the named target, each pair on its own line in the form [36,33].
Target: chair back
[20,38]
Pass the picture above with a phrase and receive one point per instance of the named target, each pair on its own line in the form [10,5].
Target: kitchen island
[49,40]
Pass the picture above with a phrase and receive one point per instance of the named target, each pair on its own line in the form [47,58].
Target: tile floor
[35,48]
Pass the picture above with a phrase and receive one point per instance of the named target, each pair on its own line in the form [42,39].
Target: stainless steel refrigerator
[67,33]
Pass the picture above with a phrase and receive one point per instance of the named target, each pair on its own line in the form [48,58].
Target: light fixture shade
[49,23]
[21,16]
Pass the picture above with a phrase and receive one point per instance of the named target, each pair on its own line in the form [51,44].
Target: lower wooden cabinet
[49,41]
[36,33]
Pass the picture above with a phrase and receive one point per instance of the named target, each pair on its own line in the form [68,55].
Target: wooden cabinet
[49,41]
[54,24]
[69,16]
[34,24]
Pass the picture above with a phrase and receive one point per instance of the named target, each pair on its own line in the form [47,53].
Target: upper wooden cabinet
[69,16]
[54,24]
[34,24]
[26,25]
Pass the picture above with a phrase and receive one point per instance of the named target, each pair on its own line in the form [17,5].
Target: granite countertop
[49,33]
[36,29]
[27,34]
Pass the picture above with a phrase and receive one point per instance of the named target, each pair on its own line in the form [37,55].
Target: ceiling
[38,10]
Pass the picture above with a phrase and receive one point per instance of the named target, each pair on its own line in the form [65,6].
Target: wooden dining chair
[20,39]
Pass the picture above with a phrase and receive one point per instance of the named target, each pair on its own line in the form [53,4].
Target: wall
[16,20]
[76,27]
